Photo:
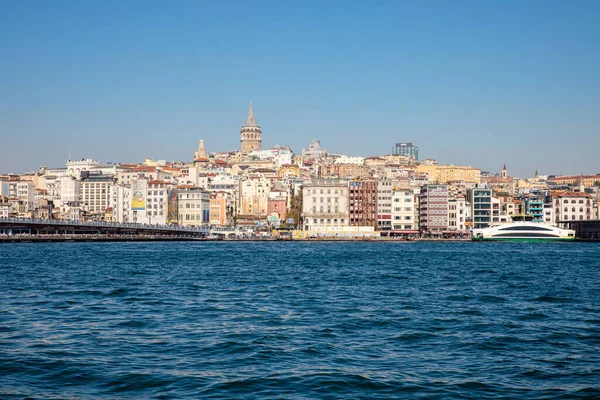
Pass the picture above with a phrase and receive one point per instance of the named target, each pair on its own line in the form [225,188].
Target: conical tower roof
[251,119]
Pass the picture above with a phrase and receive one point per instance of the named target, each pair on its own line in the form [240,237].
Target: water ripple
[299,320]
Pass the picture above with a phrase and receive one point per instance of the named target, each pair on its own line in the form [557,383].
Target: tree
[295,211]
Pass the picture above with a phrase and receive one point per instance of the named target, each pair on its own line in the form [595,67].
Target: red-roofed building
[569,206]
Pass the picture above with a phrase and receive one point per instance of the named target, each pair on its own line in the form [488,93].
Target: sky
[479,83]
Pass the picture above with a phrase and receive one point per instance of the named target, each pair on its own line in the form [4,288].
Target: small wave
[552,299]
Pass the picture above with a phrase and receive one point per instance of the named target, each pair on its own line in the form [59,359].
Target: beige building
[325,204]
[220,208]
[250,135]
[254,195]
[443,174]
[193,204]
[94,193]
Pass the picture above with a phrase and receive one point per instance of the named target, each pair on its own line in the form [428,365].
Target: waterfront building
[254,193]
[6,209]
[157,194]
[120,203]
[251,134]
[569,206]
[94,192]
[480,199]
[221,208]
[406,149]
[403,210]
[385,188]
[193,205]
[362,202]
[457,213]
[433,208]
[277,205]
[533,204]
[25,193]
[325,204]
[70,189]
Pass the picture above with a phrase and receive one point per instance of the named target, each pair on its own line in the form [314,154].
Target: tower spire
[251,119]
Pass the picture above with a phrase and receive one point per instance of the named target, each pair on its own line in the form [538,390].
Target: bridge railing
[61,222]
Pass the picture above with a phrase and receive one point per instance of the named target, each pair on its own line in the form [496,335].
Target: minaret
[504,172]
[201,153]
[581,184]
[250,135]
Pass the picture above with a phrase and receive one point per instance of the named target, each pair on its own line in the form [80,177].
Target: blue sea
[299,320]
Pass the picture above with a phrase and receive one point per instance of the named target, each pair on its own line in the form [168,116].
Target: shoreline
[104,239]
[95,238]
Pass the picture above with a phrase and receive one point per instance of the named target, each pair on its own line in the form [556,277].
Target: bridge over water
[19,226]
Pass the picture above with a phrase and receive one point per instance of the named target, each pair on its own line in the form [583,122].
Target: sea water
[299,320]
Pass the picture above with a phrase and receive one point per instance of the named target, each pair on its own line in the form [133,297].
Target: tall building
[250,135]
[362,202]
[403,211]
[406,149]
[480,199]
[433,208]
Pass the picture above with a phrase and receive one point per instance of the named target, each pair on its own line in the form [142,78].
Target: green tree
[296,209]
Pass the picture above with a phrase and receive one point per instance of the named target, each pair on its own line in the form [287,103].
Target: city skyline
[469,83]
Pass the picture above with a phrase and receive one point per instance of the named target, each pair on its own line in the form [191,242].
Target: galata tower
[250,137]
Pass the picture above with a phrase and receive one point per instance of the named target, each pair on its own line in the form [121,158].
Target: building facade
[433,208]
[403,210]
[193,204]
[406,149]
[362,202]
[325,204]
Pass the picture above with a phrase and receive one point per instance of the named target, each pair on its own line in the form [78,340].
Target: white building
[325,204]
[5,210]
[193,205]
[385,189]
[157,202]
[349,160]
[279,154]
[403,210]
[70,189]
[94,193]
[120,203]
[76,167]
[25,191]
[457,214]
[569,206]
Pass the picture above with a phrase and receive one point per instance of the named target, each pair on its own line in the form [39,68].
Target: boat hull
[523,240]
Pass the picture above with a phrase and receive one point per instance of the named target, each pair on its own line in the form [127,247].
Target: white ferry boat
[522,229]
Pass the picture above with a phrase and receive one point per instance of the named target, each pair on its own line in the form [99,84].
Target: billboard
[138,198]
[172,214]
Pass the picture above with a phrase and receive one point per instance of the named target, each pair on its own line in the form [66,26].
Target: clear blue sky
[479,82]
